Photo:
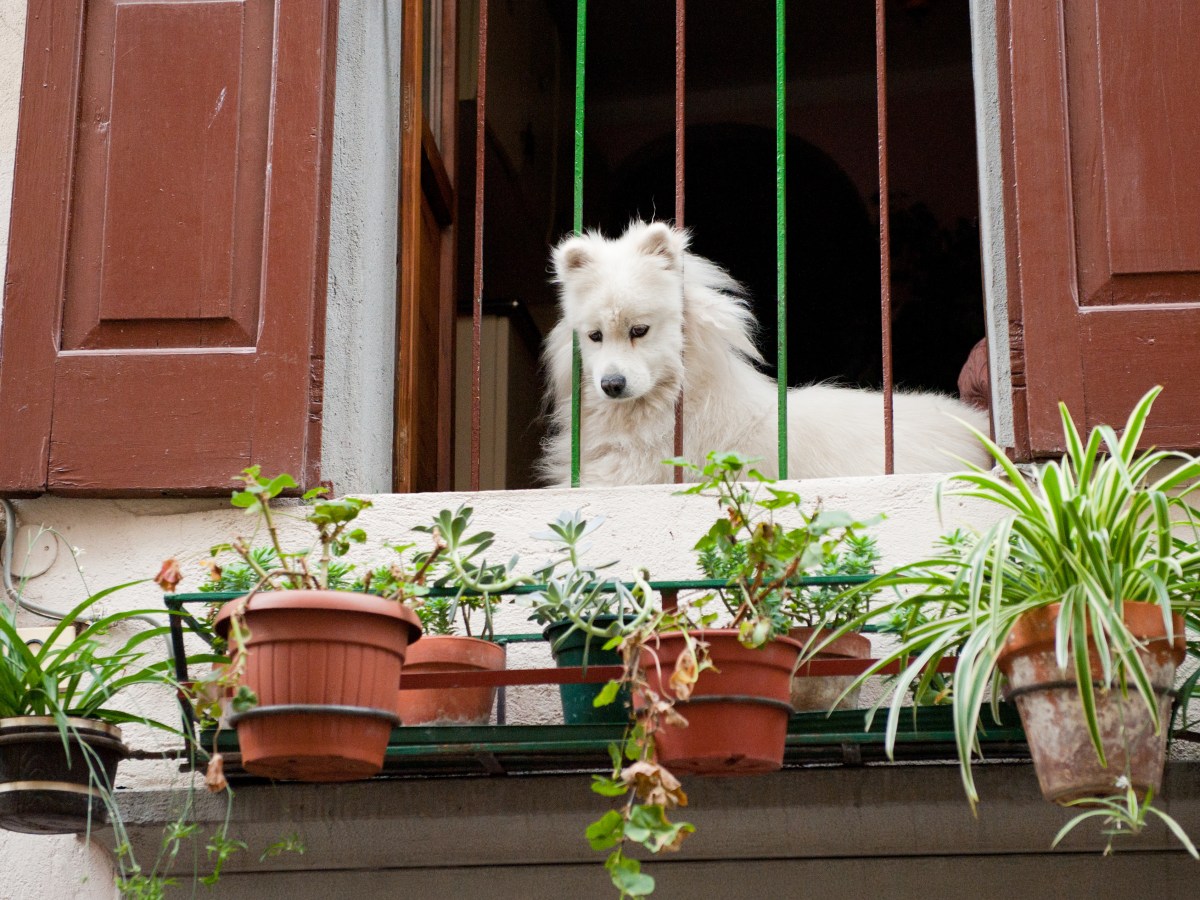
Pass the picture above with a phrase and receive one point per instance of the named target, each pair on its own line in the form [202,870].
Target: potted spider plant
[1070,604]
[60,735]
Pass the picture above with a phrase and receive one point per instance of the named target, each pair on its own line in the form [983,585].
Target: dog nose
[613,385]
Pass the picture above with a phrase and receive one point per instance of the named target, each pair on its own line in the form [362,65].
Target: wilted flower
[214,775]
[687,670]
[168,576]
[654,785]
[214,570]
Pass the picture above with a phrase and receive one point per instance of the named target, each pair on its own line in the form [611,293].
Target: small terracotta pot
[44,790]
[450,706]
[813,693]
[1052,712]
[325,666]
[738,712]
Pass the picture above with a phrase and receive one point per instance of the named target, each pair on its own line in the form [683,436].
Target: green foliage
[1123,815]
[77,673]
[1104,525]
[830,605]
[763,556]
[271,567]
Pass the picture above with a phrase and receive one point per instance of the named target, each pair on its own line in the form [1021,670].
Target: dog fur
[699,338]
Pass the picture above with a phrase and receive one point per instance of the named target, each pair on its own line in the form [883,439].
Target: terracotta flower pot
[325,666]
[737,714]
[450,706]
[813,693]
[44,790]
[1052,712]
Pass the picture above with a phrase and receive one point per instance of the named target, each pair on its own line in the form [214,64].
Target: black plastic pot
[45,789]
[568,650]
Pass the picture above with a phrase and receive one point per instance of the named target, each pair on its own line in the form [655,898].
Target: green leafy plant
[1123,815]
[78,673]
[762,557]
[81,670]
[315,567]
[1103,526]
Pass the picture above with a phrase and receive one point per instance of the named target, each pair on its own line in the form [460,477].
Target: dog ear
[571,256]
[662,241]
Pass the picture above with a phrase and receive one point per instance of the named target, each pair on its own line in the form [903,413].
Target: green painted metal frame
[781,224]
[576,359]
[843,736]
[813,738]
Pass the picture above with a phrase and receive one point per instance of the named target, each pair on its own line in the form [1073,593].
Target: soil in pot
[737,714]
[44,790]
[1052,712]
[577,699]
[450,706]
[813,693]
[325,666]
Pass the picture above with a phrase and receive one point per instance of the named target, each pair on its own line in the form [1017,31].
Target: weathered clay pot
[46,790]
[1052,712]
[325,666]
[738,712]
[812,693]
[450,706]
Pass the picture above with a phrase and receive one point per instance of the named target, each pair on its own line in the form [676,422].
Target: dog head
[623,297]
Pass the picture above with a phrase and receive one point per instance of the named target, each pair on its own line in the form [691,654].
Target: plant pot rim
[460,637]
[722,634]
[457,649]
[852,645]
[548,633]
[77,722]
[330,601]
[1034,630]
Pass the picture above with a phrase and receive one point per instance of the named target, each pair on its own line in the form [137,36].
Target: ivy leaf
[608,787]
[607,831]
[607,694]
[627,876]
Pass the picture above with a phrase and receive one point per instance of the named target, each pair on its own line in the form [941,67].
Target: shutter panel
[1103,213]
[163,323]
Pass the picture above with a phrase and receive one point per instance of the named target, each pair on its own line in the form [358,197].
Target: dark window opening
[832,201]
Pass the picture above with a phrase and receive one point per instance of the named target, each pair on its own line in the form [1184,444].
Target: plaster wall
[360,333]
[991,212]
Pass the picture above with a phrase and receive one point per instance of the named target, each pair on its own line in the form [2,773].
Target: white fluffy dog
[653,320]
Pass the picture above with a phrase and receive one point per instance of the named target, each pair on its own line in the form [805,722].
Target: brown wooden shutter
[1102,115]
[163,322]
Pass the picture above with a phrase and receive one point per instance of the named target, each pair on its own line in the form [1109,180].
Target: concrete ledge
[875,812]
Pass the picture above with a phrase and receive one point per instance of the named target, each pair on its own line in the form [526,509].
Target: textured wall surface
[360,335]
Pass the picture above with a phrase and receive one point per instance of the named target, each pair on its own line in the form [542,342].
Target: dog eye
[638,331]
[595,337]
